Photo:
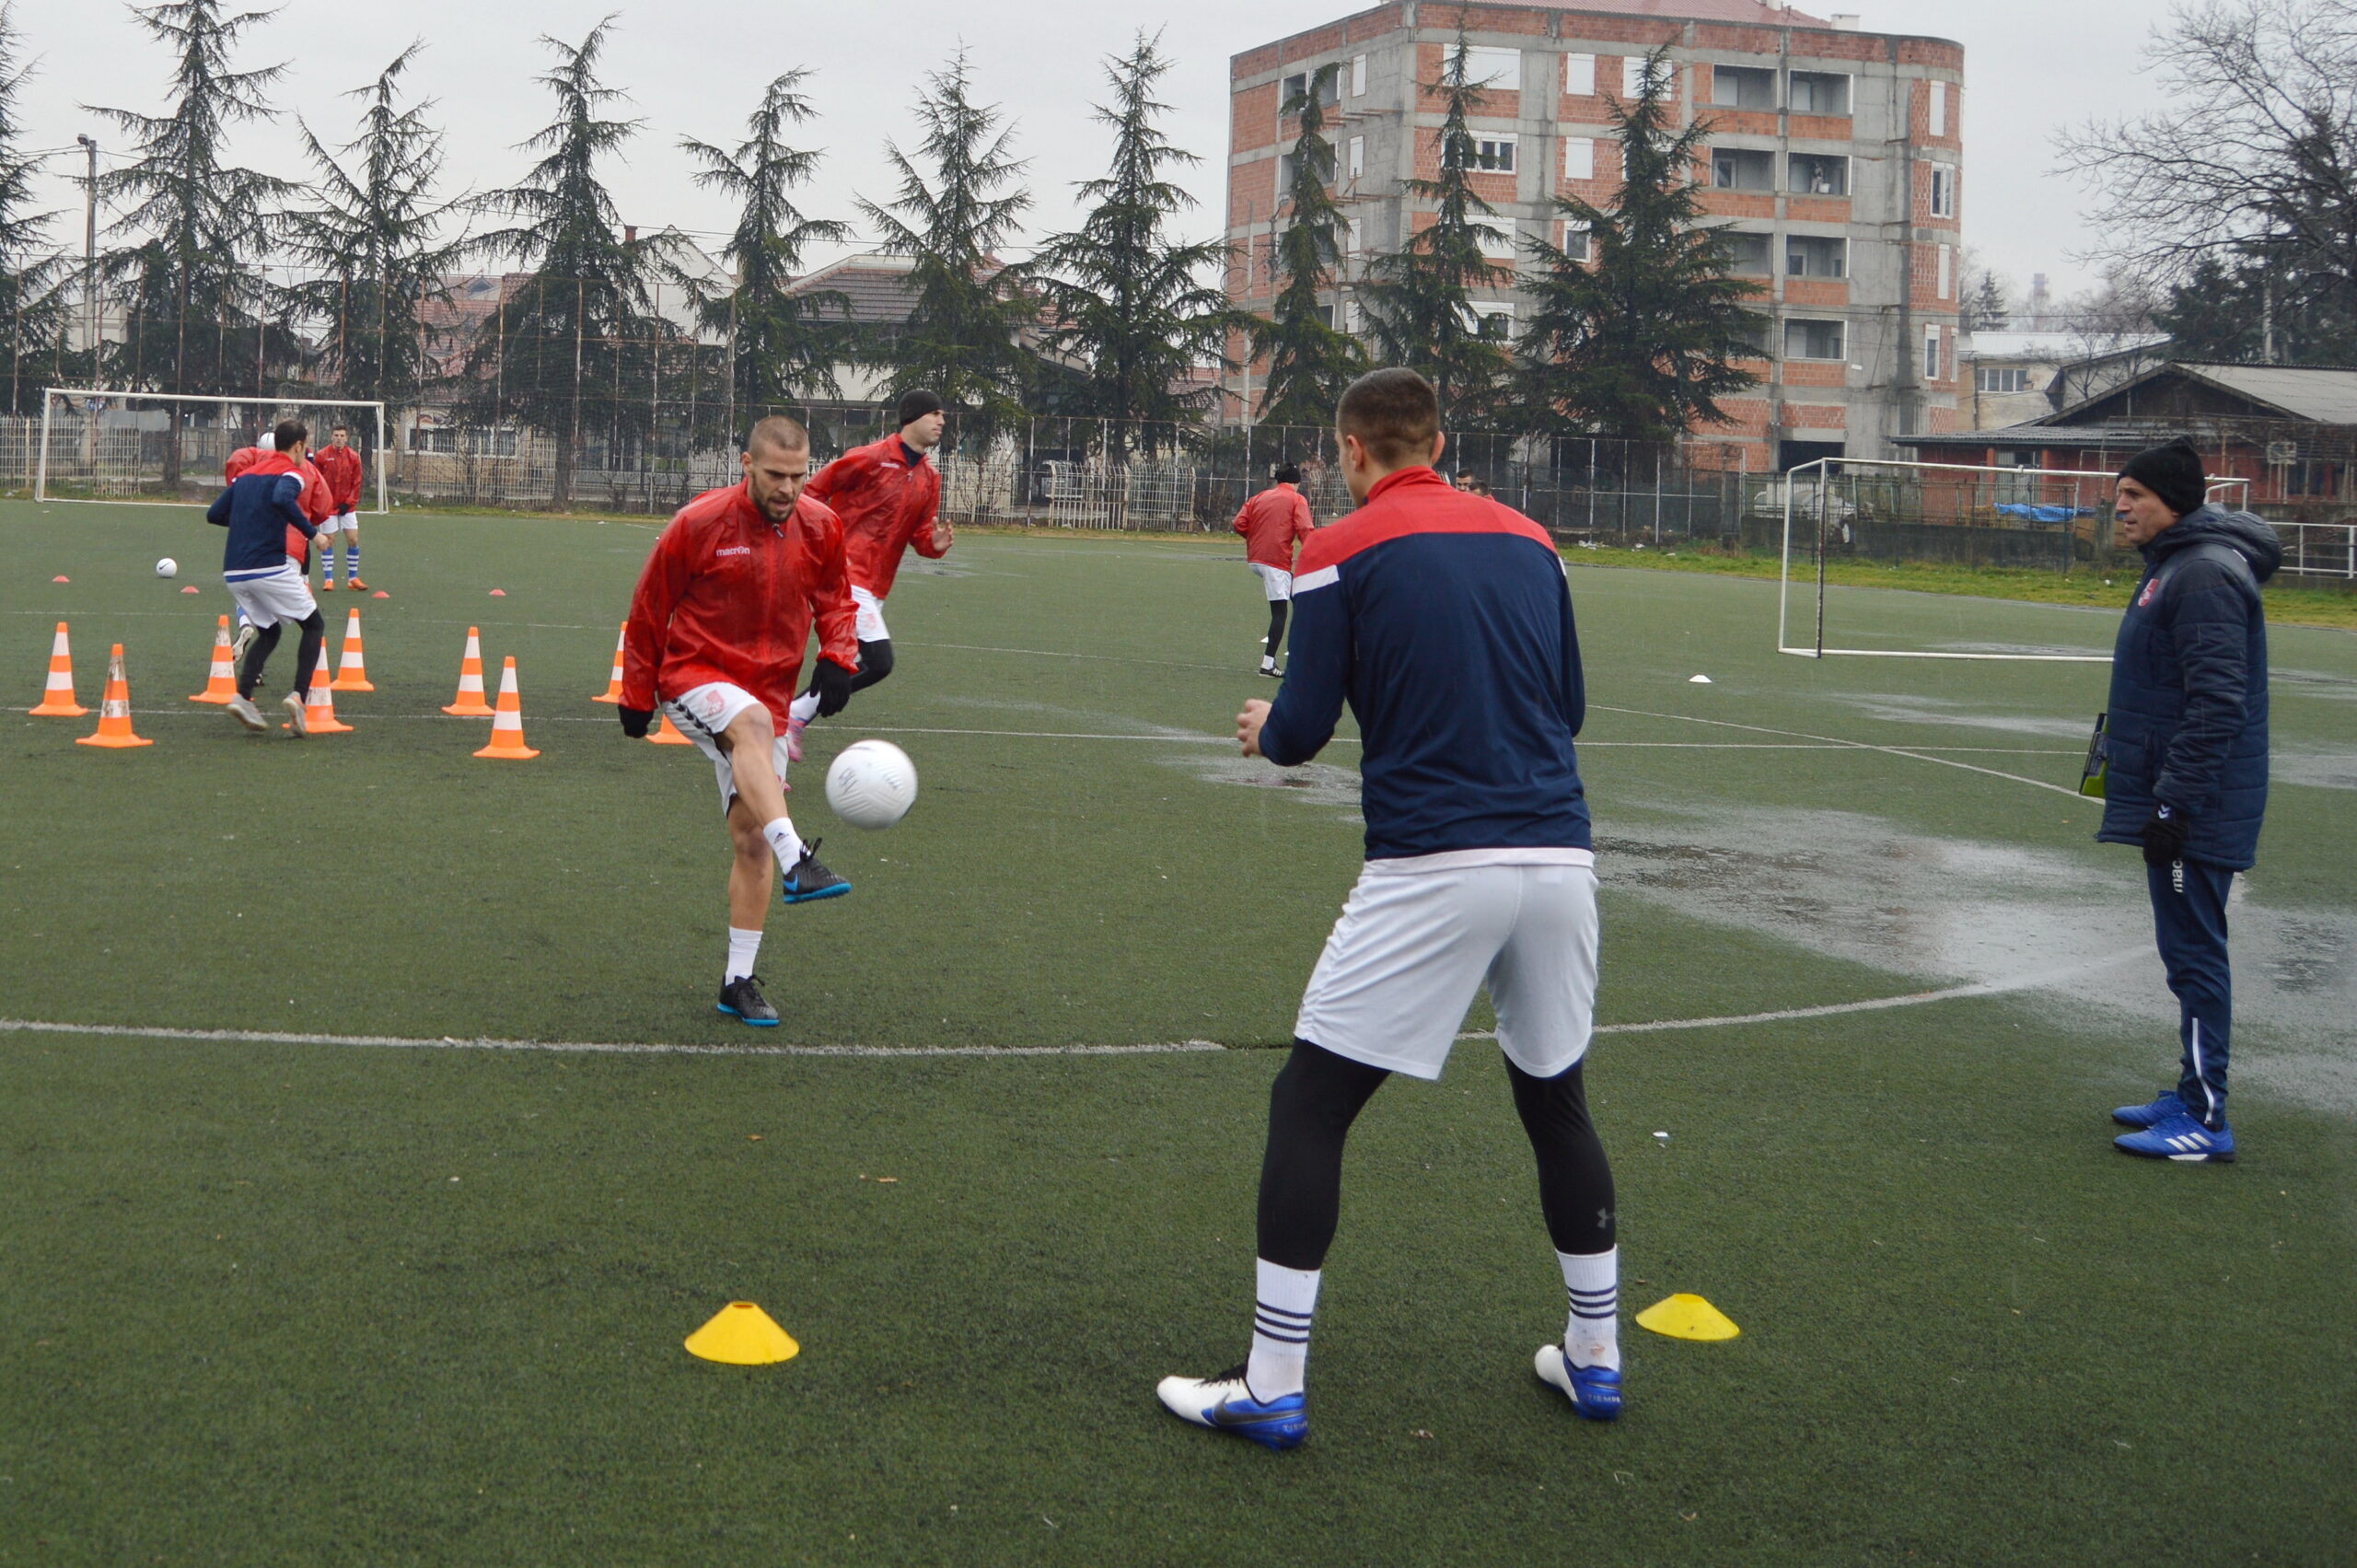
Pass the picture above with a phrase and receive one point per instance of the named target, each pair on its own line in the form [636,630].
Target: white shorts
[1419,936]
[703,713]
[269,598]
[340,521]
[871,617]
[1276,580]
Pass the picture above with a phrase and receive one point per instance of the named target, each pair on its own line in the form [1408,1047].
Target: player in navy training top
[1445,620]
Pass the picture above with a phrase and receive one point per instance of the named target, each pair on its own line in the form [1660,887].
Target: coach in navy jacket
[2185,762]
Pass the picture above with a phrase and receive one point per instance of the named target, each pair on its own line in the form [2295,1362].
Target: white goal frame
[48,407]
[1820,470]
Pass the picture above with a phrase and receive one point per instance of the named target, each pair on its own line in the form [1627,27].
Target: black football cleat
[742,998]
[810,879]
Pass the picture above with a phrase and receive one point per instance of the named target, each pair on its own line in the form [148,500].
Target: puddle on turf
[2319,770]
[1947,711]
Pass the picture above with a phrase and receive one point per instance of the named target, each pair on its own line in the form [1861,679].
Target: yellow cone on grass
[1687,1316]
[743,1335]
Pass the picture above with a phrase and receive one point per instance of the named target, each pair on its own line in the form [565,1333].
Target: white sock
[1280,1360]
[1592,1332]
[783,842]
[744,947]
[804,708]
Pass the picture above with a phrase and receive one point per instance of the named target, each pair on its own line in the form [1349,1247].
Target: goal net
[150,446]
[1870,510]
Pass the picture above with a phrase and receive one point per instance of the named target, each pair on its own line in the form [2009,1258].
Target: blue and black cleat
[810,879]
[1225,1403]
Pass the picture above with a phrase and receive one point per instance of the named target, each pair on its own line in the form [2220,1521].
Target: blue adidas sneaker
[1595,1391]
[2159,1110]
[1226,1404]
[2181,1138]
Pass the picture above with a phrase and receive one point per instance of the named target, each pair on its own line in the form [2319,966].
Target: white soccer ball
[872,783]
[167,567]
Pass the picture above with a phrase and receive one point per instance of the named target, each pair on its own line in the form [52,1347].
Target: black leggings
[1277,608]
[1319,1094]
[307,653]
[874,664]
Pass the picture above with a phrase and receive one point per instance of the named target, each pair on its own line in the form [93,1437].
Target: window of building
[1814,256]
[1490,155]
[1742,87]
[1358,156]
[1930,353]
[1294,87]
[1578,244]
[1746,253]
[1358,76]
[1494,323]
[1330,88]
[2002,378]
[1942,190]
[1821,92]
[1820,174]
[1946,269]
[1579,157]
[1742,168]
[1579,76]
[1813,339]
[1354,317]
[1500,69]
[1498,244]
[1357,234]
[1636,73]
[1939,114]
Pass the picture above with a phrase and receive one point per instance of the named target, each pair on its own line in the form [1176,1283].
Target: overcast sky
[2030,66]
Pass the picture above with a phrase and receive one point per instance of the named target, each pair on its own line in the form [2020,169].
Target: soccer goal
[150,447]
[1874,509]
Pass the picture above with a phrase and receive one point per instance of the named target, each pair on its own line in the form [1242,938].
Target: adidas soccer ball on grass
[167,567]
[872,783]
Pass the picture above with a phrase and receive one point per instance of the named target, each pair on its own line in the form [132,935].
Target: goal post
[166,448]
[1836,506]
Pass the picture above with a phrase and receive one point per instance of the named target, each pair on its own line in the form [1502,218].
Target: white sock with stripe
[1592,1332]
[1284,1302]
[805,707]
[783,843]
[744,947]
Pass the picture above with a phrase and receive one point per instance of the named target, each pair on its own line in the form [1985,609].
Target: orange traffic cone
[319,704]
[669,733]
[613,692]
[114,713]
[221,681]
[352,674]
[57,700]
[508,727]
[469,703]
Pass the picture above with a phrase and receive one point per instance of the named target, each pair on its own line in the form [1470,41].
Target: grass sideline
[273,1303]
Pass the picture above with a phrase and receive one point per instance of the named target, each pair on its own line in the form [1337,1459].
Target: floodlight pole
[91,256]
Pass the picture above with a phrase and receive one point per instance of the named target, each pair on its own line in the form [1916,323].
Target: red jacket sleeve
[318,504]
[1302,526]
[661,584]
[1243,523]
[923,538]
[831,602]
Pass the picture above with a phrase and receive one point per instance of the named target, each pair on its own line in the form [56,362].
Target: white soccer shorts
[347,518]
[871,617]
[1276,580]
[267,598]
[702,712]
[1421,934]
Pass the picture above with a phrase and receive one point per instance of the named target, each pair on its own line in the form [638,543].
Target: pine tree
[785,344]
[33,311]
[1129,299]
[200,308]
[566,350]
[1642,343]
[1310,361]
[372,241]
[961,340]
[1420,298]
[1986,309]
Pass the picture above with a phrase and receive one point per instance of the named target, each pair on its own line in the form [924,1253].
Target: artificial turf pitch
[290,1302]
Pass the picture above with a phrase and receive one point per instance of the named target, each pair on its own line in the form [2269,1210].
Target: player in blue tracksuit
[1445,620]
[261,503]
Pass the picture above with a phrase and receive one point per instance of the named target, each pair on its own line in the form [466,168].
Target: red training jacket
[316,503]
[727,595]
[340,466]
[887,504]
[1270,522]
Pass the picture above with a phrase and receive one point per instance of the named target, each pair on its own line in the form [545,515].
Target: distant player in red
[1272,523]
[338,465]
[889,498]
[717,634]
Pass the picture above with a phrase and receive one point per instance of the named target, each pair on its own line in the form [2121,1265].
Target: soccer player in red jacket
[888,498]
[338,465]
[1272,523]
[315,505]
[715,635]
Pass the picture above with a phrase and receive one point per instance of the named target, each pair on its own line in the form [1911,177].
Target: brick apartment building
[1835,158]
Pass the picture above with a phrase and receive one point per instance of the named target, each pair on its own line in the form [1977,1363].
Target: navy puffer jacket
[2188,722]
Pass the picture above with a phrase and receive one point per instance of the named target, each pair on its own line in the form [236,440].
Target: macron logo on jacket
[1445,620]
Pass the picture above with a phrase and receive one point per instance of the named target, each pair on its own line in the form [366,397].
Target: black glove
[636,721]
[2166,831]
[833,682]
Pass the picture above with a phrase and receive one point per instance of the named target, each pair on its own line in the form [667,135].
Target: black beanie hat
[916,404]
[2173,472]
